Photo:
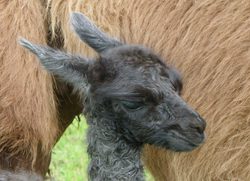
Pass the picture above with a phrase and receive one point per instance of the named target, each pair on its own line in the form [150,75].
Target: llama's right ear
[90,34]
[71,69]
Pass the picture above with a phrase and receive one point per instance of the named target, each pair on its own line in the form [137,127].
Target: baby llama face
[128,85]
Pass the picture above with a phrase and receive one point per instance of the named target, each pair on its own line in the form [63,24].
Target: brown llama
[207,40]
[32,118]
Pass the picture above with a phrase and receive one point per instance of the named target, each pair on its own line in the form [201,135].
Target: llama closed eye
[132,105]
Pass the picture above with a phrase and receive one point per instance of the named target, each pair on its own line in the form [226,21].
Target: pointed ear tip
[25,43]
[22,41]
[72,15]
[73,19]
[76,13]
[77,16]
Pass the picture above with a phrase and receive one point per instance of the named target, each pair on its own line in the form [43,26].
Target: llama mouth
[175,141]
[184,146]
[179,142]
[194,143]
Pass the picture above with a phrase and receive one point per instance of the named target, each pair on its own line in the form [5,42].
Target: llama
[130,98]
[35,109]
[206,40]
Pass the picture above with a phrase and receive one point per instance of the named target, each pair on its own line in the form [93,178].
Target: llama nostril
[199,124]
[199,128]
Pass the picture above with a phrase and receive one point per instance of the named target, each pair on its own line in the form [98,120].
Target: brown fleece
[209,42]
[28,123]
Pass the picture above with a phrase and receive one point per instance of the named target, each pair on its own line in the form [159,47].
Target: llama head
[129,85]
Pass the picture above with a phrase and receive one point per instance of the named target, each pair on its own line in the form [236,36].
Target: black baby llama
[130,98]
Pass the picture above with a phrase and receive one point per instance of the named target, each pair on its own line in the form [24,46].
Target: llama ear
[90,34]
[71,69]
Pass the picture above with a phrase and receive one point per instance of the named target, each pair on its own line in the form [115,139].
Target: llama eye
[132,105]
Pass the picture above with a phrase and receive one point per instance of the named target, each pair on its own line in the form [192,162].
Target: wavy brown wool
[28,126]
[207,40]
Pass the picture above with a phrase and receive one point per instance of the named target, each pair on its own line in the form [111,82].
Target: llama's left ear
[90,34]
[70,68]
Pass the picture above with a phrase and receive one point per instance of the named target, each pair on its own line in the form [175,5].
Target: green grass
[69,157]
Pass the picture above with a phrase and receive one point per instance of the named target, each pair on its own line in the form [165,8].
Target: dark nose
[198,123]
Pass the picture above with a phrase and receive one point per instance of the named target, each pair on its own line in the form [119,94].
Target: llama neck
[112,158]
